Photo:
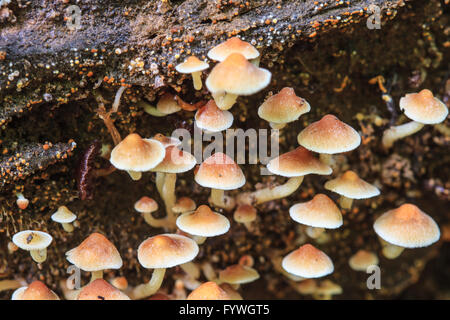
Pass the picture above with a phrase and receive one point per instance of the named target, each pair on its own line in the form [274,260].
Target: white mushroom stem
[135,175]
[392,251]
[196,76]
[219,200]
[199,239]
[191,269]
[160,176]
[150,288]
[256,61]
[151,110]
[314,232]
[168,194]
[346,203]
[155,223]
[208,271]
[277,126]
[39,255]
[395,133]
[278,192]
[225,100]
[96,275]
[326,158]
[68,227]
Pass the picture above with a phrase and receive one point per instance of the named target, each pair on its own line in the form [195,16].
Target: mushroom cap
[208,291]
[120,283]
[36,290]
[363,259]
[136,154]
[192,64]
[63,215]
[320,212]
[166,251]
[95,253]
[203,222]
[308,262]
[219,171]
[32,240]
[233,45]
[329,135]
[238,274]
[184,204]
[176,161]
[168,104]
[101,290]
[407,227]
[146,204]
[245,213]
[283,107]
[298,162]
[237,76]
[423,107]
[351,186]
[212,119]
[167,141]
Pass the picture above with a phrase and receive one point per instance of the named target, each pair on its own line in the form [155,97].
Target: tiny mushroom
[64,216]
[211,119]
[34,241]
[362,260]
[350,187]
[101,290]
[245,214]
[36,290]
[168,104]
[234,45]
[184,204]
[194,66]
[21,201]
[166,142]
[308,262]
[147,206]
[208,291]
[238,274]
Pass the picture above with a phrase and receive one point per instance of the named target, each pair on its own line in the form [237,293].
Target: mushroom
[203,223]
[166,142]
[326,290]
[329,136]
[406,227]
[317,214]
[219,172]
[194,66]
[101,290]
[147,206]
[168,104]
[136,155]
[120,283]
[233,77]
[64,216]
[423,108]
[350,187]
[245,214]
[238,274]
[308,262]
[282,108]
[36,290]
[184,204]
[211,119]
[234,45]
[95,254]
[159,253]
[21,201]
[34,241]
[363,259]
[208,291]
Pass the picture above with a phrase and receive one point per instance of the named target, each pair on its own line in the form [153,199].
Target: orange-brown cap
[120,283]
[363,259]
[283,107]
[233,45]
[237,76]
[208,291]
[320,212]
[167,141]
[203,222]
[351,186]
[423,107]
[298,162]
[136,154]
[168,104]
[219,171]
[192,64]
[245,213]
[184,204]
[238,274]
[408,227]
[176,161]
[166,251]
[212,119]
[95,253]
[146,204]
[101,290]
[36,290]
[308,262]
[329,135]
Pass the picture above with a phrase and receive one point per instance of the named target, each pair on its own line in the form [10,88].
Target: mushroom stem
[155,223]
[196,76]
[395,133]
[151,110]
[314,232]
[256,61]
[346,203]
[217,197]
[169,196]
[277,126]
[39,255]
[191,269]
[135,175]
[96,275]
[160,176]
[208,271]
[225,100]
[326,158]
[392,251]
[278,192]
[149,288]
[68,227]
[199,239]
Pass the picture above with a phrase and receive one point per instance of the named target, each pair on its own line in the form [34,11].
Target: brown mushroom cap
[423,107]
[329,135]
[219,171]
[298,162]
[308,262]
[283,107]
[351,186]
[203,222]
[95,253]
[101,290]
[211,118]
[36,290]
[238,274]
[407,227]
[166,251]
[176,161]
[136,154]
[320,212]
[233,45]
[168,104]
[146,204]
[363,259]
[184,204]
[237,76]
[208,291]
[192,64]
[245,213]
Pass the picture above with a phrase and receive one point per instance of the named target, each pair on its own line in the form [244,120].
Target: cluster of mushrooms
[236,73]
